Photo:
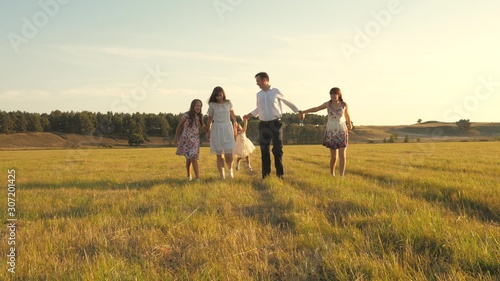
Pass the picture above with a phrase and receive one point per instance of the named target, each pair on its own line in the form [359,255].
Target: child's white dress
[243,146]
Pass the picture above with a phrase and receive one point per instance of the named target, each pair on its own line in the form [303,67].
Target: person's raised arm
[314,109]
[288,102]
[255,112]
[235,130]
[248,116]
[245,124]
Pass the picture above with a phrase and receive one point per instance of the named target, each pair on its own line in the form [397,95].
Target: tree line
[137,127]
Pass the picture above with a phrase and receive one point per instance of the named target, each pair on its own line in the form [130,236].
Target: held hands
[349,126]
[302,115]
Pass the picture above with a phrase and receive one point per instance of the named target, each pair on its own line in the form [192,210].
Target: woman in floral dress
[189,141]
[336,134]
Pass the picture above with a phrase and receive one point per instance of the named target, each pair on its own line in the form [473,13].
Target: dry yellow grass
[403,212]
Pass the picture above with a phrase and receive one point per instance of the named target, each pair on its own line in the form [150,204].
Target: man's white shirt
[269,104]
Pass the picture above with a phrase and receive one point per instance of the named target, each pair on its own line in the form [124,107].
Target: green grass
[428,211]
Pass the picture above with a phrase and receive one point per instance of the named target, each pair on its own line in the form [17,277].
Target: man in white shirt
[269,112]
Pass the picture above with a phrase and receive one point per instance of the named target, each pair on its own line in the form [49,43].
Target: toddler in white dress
[243,146]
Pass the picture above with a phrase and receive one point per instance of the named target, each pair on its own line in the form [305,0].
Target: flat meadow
[404,211]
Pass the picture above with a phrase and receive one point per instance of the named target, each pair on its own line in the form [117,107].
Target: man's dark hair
[262,76]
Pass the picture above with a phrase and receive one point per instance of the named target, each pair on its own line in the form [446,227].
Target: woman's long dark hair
[192,114]
[337,90]
[215,92]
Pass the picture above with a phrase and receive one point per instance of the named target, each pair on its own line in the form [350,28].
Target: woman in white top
[220,130]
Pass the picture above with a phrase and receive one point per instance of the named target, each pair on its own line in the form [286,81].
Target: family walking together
[228,139]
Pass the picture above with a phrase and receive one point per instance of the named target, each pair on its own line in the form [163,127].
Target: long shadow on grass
[85,205]
[269,211]
[448,196]
[347,212]
[449,169]
[105,184]
[312,161]
[337,209]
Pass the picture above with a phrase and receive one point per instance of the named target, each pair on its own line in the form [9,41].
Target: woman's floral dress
[336,133]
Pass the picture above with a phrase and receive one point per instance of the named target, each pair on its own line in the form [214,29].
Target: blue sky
[395,61]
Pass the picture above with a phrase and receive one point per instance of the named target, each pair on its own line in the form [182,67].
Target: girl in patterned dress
[189,141]
[336,134]
[243,147]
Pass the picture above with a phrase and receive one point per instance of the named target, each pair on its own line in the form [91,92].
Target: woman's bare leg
[333,161]
[342,156]
[195,168]
[229,162]
[220,166]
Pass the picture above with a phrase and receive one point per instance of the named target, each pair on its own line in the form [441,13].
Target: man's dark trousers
[270,131]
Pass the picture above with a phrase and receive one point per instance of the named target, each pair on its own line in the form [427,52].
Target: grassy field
[417,211]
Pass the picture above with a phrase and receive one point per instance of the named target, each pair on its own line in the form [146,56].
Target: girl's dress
[336,133]
[222,133]
[189,141]
[243,146]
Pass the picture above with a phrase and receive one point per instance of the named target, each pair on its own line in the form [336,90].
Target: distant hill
[60,140]
[428,131]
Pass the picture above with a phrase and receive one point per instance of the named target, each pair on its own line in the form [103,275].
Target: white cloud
[136,53]
[107,91]
[7,95]
[179,92]
[24,95]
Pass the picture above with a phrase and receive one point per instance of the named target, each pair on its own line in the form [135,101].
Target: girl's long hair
[192,114]
[337,90]
[215,92]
